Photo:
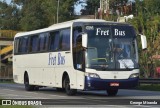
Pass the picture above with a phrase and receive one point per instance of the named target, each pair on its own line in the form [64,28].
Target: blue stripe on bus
[103,84]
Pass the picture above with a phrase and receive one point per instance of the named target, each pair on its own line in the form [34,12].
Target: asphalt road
[126,97]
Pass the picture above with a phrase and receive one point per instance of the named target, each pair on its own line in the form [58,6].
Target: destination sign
[111,31]
[117,32]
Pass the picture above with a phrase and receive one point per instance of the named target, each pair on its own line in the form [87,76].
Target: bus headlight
[92,75]
[135,75]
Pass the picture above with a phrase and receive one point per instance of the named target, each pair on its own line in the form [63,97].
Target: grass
[149,87]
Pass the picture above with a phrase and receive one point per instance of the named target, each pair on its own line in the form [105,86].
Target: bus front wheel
[68,90]
[112,92]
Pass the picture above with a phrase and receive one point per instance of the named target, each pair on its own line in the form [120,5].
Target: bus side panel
[71,73]
[18,75]
[36,65]
[65,65]
[48,74]
[34,75]
[19,68]
[80,80]
[40,72]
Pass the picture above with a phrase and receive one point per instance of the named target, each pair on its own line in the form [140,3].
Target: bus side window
[79,51]
[54,41]
[19,44]
[16,44]
[75,45]
[43,40]
[65,40]
[46,41]
[80,62]
[34,43]
[24,45]
[76,31]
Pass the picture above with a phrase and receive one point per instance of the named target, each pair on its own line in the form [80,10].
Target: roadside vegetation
[149,87]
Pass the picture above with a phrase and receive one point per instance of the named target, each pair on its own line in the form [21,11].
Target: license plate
[114,84]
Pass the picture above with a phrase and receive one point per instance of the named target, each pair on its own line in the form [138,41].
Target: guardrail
[149,81]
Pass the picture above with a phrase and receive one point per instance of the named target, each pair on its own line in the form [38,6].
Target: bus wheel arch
[28,87]
[66,85]
[26,77]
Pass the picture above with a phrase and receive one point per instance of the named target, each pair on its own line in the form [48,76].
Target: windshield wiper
[125,65]
[100,67]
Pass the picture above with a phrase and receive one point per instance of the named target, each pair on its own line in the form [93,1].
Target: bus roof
[63,25]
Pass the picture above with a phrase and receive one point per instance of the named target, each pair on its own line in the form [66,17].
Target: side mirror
[84,40]
[143,41]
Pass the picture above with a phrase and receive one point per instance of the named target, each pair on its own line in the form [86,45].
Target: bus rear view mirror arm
[143,41]
[84,40]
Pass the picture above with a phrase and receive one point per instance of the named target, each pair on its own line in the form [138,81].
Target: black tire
[36,88]
[112,92]
[60,89]
[69,91]
[28,87]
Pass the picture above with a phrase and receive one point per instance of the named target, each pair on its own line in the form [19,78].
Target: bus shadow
[122,93]
[79,93]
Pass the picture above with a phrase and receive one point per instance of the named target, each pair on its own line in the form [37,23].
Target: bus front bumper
[103,84]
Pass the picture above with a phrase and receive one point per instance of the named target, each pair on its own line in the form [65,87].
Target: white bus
[83,54]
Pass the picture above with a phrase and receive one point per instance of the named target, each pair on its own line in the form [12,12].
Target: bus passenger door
[79,63]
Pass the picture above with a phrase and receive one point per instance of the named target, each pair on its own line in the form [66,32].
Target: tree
[148,22]
[38,14]
[152,6]
[33,17]
[50,11]
[66,10]
[9,16]
[91,6]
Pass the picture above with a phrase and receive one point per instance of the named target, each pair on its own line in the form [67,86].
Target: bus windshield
[111,48]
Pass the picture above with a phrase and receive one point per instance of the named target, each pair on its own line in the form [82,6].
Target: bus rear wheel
[28,87]
[112,92]
[68,90]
